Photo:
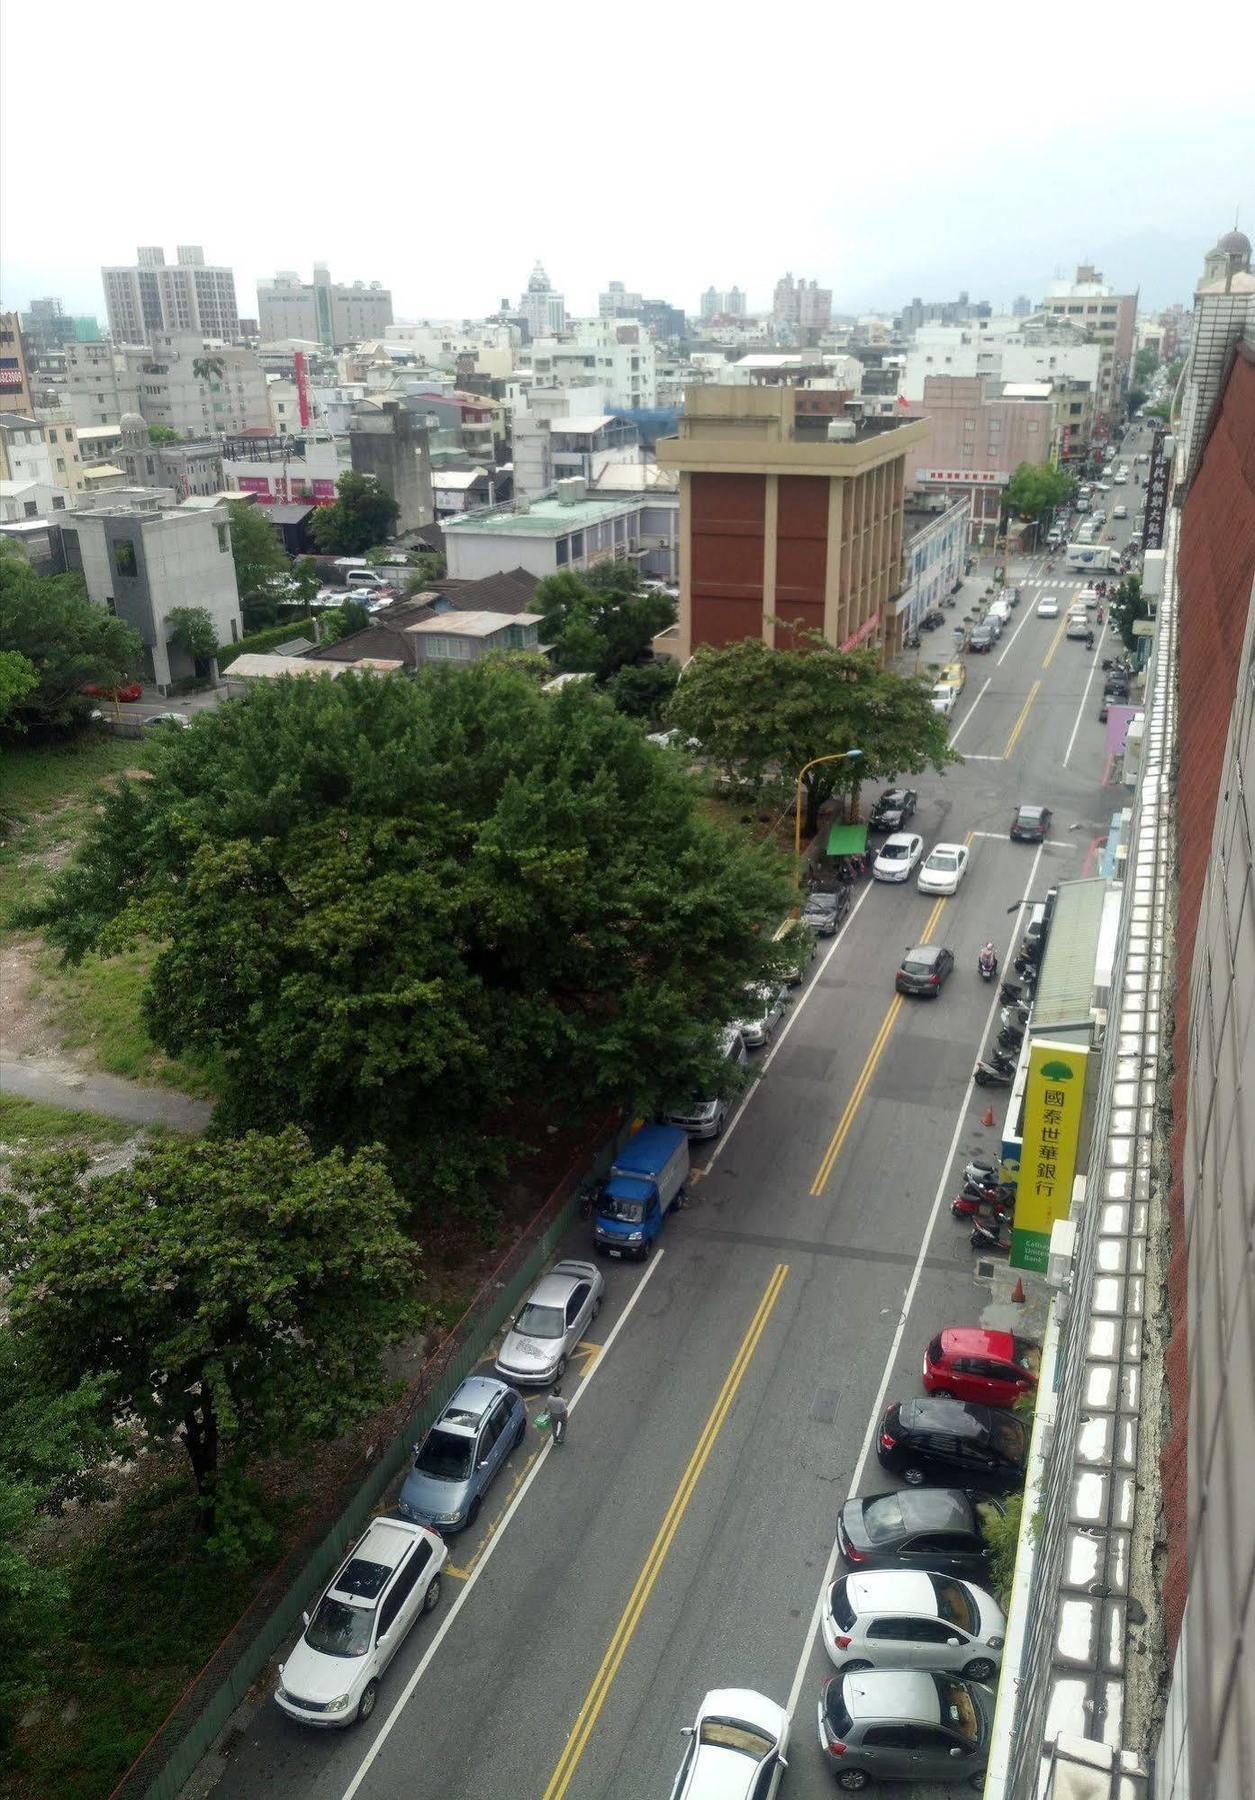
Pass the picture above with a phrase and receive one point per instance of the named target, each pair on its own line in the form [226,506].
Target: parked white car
[897,857]
[944,698]
[906,1619]
[391,1575]
[736,1748]
[764,1012]
[1048,607]
[943,869]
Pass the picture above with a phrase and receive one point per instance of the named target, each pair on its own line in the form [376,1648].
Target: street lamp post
[836,756]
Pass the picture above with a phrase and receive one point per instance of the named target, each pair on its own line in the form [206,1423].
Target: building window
[58,504]
[52,437]
[124,558]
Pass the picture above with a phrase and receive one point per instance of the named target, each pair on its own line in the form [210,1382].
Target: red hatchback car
[992,1368]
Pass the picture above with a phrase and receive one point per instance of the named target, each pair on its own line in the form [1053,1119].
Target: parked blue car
[457,1460]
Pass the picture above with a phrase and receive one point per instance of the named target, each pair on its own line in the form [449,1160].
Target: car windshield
[882,1520]
[822,903]
[340,1630]
[954,1604]
[446,1455]
[733,1734]
[631,1212]
[1030,815]
[1008,1435]
[958,1709]
[943,860]
[540,1321]
[892,852]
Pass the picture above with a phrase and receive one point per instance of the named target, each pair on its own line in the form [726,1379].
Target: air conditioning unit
[842,431]
[1061,1256]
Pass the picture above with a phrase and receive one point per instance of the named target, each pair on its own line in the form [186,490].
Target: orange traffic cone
[1017,1292]
[987,1117]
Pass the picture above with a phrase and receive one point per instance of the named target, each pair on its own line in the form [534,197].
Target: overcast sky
[911,150]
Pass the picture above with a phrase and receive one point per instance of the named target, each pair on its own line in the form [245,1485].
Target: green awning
[847,840]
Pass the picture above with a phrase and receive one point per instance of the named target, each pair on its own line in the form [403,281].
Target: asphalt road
[681,1538]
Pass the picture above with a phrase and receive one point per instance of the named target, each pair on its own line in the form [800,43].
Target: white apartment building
[100,385]
[41,449]
[322,311]
[965,350]
[143,562]
[542,308]
[616,354]
[198,387]
[567,532]
[189,295]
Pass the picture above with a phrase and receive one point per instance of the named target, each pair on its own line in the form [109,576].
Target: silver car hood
[521,1352]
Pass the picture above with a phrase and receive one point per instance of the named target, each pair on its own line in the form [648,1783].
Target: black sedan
[982,639]
[931,620]
[939,1439]
[936,1529]
[1031,824]
[924,970]
[824,912]
[893,809]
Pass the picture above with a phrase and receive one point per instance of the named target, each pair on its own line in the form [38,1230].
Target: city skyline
[1003,198]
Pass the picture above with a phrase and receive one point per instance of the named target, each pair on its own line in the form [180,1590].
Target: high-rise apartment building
[15,388]
[322,311]
[723,303]
[1224,309]
[542,309]
[619,302]
[1107,317]
[804,305]
[189,295]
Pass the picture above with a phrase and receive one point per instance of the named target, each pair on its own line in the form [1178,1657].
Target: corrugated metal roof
[1065,993]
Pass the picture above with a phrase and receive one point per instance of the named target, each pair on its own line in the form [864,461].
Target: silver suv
[905,1725]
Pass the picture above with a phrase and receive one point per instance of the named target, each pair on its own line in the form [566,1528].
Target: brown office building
[786,520]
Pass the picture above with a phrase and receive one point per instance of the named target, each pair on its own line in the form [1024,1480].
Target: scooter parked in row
[989,1074]
[992,1237]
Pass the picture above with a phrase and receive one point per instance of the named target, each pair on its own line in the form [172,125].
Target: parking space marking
[482,1561]
[629,1619]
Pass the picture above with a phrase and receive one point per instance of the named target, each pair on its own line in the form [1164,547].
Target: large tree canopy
[261,563]
[1035,488]
[236,1295]
[362,515]
[65,639]
[601,622]
[437,913]
[764,712]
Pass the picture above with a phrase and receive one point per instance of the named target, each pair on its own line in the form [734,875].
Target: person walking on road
[559,1412]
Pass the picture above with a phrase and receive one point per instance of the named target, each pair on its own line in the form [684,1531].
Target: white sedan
[736,1748]
[944,869]
[1048,607]
[897,856]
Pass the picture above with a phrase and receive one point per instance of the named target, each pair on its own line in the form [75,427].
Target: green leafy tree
[261,563]
[208,368]
[432,913]
[362,514]
[642,690]
[305,582]
[1162,410]
[1144,364]
[164,434]
[1035,488]
[18,678]
[235,1295]
[1136,397]
[764,712]
[343,621]
[192,628]
[1127,607]
[600,624]
[48,622]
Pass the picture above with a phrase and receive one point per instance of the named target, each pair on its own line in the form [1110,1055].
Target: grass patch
[96,1006]
[47,791]
[145,1605]
[31,1125]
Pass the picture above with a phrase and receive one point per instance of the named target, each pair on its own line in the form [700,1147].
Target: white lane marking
[407,1691]
[790,1705]
[1028,614]
[984,756]
[767,1061]
[1097,653]
[954,735]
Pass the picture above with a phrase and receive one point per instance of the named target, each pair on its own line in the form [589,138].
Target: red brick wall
[727,518]
[801,552]
[1215,568]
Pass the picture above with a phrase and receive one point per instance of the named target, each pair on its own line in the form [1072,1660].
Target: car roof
[553,1289]
[951,849]
[938,1412]
[906,1694]
[893,793]
[936,1509]
[823,899]
[470,1403]
[386,1542]
[974,1340]
[1029,812]
[900,837]
[744,1703]
[891,1590]
[923,953]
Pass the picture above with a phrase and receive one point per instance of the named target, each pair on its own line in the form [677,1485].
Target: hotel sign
[1054,1097]
[974,477]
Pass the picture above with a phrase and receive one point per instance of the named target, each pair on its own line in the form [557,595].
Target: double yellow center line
[595,1699]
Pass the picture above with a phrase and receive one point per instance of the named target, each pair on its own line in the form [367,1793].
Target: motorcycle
[980,1171]
[1015,1014]
[987,962]
[1010,1041]
[1011,991]
[989,1237]
[986,1075]
[969,1205]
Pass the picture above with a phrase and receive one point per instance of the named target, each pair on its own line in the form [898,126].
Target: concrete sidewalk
[60,1084]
